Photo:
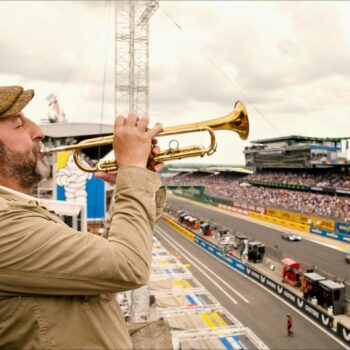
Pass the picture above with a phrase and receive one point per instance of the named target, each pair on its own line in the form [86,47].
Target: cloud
[288,61]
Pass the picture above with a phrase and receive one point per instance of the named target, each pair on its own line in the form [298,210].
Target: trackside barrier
[343,332]
[342,227]
[226,258]
[321,317]
[281,222]
[179,228]
[209,247]
[330,234]
[234,209]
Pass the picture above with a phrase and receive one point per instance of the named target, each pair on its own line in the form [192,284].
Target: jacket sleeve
[41,256]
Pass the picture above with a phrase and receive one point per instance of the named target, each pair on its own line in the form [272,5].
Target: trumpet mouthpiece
[45,151]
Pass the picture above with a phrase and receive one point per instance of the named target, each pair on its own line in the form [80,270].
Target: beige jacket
[56,283]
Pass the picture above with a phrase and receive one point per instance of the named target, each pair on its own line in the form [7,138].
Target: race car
[291,237]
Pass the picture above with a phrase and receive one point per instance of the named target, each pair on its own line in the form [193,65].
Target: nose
[36,132]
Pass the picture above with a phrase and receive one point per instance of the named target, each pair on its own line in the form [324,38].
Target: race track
[325,258]
[254,306]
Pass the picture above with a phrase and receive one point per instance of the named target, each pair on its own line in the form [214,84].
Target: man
[56,283]
[290,325]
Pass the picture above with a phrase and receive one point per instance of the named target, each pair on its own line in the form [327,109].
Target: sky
[289,62]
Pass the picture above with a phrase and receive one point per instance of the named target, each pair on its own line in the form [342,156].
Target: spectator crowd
[235,188]
[334,180]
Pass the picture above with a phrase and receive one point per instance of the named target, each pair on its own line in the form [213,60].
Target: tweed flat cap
[13,99]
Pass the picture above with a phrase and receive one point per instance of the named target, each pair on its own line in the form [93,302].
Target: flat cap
[13,99]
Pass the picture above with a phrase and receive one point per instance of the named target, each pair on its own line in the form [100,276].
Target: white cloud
[288,61]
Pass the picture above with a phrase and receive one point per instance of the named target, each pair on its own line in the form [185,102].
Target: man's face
[20,157]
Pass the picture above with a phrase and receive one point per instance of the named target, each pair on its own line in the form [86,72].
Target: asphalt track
[253,305]
[325,258]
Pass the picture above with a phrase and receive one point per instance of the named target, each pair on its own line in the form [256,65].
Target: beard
[27,168]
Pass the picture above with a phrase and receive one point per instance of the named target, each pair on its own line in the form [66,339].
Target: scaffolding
[132,55]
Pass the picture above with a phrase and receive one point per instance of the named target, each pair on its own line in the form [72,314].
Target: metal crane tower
[132,55]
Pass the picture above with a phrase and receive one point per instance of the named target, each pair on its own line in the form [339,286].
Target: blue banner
[330,234]
[226,258]
[342,227]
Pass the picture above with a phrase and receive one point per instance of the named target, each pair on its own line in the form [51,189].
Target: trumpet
[236,121]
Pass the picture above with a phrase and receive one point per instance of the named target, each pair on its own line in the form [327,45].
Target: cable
[188,37]
[83,45]
[103,91]
[93,60]
[105,69]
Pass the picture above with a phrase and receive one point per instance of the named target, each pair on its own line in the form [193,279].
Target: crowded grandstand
[313,185]
[242,188]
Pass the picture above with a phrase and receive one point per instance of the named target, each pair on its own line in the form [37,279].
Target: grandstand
[304,176]
[276,189]
[297,152]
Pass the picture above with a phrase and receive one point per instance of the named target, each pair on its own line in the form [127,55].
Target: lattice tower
[132,55]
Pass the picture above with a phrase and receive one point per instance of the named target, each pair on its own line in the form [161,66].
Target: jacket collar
[8,192]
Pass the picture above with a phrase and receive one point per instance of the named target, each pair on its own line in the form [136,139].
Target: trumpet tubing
[236,121]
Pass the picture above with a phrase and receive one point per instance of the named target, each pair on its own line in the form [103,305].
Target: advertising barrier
[316,314]
[209,247]
[226,258]
[343,332]
[233,209]
[330,234]
[342,227]
[327,224]
[302,218]
[179,228]
[323,223]
[277,221]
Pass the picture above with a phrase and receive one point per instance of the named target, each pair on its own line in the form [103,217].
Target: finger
[158,167]
[155,150]
[131,120]
[143,123]
[155,130]
[106,176]
[119,122]
[154,141]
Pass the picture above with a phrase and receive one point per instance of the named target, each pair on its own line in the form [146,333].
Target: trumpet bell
[236,121]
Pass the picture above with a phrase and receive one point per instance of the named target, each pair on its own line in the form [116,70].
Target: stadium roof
[226,169]
[301,138]
[59,130]
[207,168]
[183,170]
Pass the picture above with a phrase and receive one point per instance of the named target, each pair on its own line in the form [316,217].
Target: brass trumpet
[236,121]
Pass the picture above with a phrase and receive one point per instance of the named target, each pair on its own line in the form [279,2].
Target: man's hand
[133,141]
[133,144]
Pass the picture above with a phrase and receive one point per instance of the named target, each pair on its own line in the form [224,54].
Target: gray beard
[26,168]
[42,168]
